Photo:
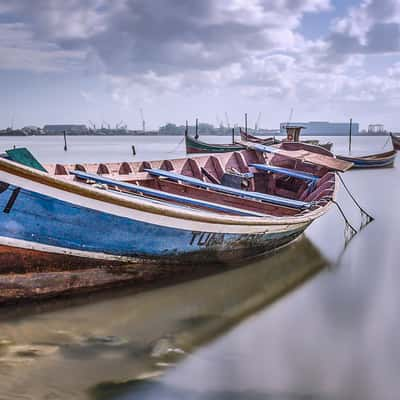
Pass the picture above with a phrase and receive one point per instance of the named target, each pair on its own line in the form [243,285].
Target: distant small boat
[292,135]
[247,137]
[380,160]
[197,146]
[395,141]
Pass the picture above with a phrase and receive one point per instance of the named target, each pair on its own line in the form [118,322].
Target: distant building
[32,130]
[68,128]
[322,128]
[376,128]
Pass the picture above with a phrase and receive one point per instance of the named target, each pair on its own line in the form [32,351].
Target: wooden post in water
[133,150]
[351,122]
[186,128]
[233,135]
[197,129]
[245,122]
[65,141]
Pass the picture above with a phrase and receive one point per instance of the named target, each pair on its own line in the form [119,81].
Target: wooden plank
[303,155]
[165,196]
[281,201]
[286,171]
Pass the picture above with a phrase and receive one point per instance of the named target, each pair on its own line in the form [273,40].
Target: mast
[351,122]
[65,141]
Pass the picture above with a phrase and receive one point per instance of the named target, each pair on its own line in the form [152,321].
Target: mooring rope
[365,217]
[387,140]
[176,147]
[349,230]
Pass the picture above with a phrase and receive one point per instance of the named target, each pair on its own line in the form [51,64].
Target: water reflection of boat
[136,336]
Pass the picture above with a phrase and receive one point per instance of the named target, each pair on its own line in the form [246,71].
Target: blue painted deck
[43,219]
[268,198]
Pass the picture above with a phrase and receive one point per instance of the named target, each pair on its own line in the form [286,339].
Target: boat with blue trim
[183,211]
[381,160]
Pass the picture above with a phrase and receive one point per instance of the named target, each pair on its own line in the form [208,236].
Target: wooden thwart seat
[286,171]
[165,196]
[281,201]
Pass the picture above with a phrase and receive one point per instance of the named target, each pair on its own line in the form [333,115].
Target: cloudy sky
[79,60]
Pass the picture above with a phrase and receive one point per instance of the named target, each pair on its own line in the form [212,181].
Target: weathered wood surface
[304,156]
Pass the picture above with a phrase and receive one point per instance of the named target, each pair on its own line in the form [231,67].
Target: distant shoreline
[181,135]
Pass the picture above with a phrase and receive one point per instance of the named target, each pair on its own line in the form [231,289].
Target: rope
[387,140]
[365,217]
[349,230]
[176,147]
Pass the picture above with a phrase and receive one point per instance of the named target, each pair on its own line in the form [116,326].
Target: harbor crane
[220,123]
[227,120]
[92,124]
[143,121]
[257,122]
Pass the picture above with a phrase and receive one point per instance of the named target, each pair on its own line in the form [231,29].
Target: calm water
[309,321]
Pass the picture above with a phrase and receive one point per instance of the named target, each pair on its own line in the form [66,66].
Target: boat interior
[246,182]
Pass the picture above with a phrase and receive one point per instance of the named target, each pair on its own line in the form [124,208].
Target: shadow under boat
[108,343]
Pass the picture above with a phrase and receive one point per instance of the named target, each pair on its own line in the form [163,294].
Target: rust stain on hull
[17,260]
[34,275]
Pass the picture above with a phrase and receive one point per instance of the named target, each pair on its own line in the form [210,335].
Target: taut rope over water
[349,230]
[365,217]
[177,146]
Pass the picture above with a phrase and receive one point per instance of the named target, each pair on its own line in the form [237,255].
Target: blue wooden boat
[195,210]
[381,160]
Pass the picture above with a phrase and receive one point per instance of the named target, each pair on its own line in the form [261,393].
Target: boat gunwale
[165,210]
[386,156]
[234,146]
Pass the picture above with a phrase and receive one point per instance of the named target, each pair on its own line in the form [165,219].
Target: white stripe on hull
[27,245]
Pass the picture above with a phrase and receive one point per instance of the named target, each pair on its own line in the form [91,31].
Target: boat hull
[375,161]
[50,232]
[197,146]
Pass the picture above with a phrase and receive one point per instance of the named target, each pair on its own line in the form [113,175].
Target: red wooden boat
[129,216]
[247,137]
[293,135]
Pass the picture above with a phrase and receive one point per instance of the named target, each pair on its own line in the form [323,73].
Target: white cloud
[147,48]
[19,51]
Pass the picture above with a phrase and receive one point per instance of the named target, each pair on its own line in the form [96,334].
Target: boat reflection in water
[82,352]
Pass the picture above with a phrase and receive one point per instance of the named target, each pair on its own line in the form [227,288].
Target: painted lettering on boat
[14,194]
[207,239]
